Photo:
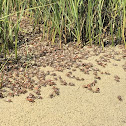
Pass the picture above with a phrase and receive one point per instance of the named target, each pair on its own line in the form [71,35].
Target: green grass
[74,19]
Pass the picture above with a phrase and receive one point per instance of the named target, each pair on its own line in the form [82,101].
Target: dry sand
[75,106]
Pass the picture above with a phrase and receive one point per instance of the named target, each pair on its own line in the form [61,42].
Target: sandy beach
[76,104]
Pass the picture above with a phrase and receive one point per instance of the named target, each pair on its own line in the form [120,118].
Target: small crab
[56,90]
[71,84]
[89,87]
[97,90]
[53,74]
[97,77]
[10,94]
[85,86]
[1,95]
[68,75]
[82,79]
[39,97]
[117,78]
[51,83]
[64,83]
[52,94]
[30,99]
[119,98]
[8,100]
[77,78]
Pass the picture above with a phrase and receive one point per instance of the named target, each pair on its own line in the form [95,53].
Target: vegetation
[82,21]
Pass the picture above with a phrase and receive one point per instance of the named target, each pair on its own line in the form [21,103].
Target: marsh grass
[66,20]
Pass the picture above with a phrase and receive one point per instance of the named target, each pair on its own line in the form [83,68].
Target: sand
[75,106]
